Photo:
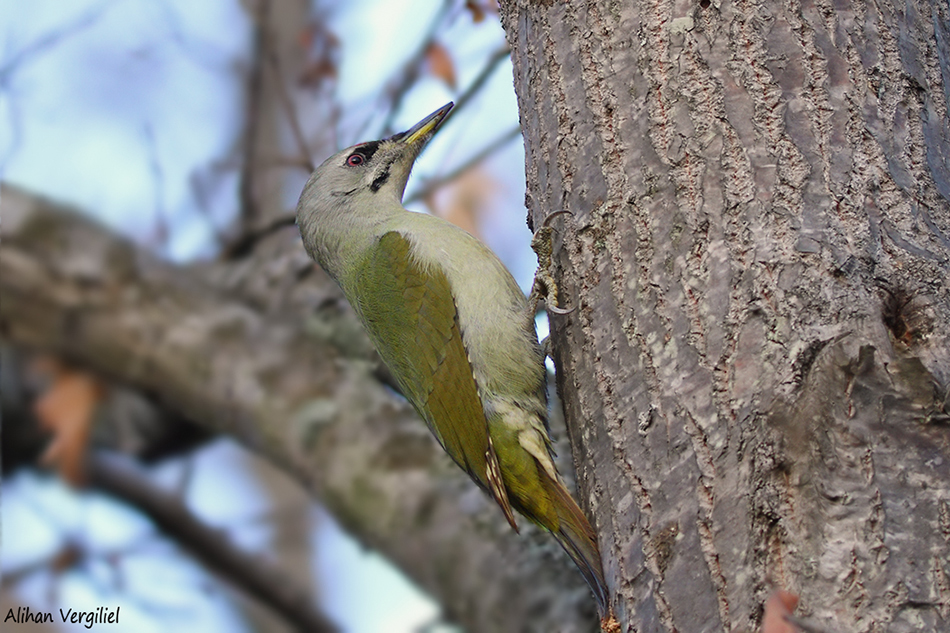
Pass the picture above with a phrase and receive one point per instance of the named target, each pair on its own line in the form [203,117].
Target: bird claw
[547,220]
[544,287]
[557,310]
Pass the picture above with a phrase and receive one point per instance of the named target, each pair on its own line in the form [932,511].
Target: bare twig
[410,71]
[162,229]
[17,60]
[493,61]
[200,181]
[433,184]
[253,574]
[255,89]
[51,38]
[287,103]
[245,242]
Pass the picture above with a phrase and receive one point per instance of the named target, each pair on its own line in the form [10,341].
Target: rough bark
[756,373]
[242,348]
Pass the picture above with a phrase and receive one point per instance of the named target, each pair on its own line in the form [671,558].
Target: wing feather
[412,318]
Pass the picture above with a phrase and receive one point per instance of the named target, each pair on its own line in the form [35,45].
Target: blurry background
[143,113]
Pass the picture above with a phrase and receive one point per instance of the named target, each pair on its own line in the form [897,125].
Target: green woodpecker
[453,327]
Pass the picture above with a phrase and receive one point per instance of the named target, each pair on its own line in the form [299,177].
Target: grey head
[372,170]
[357,185]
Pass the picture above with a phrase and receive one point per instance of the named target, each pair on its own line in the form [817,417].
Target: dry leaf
[315,72]
[478,13]
[440,63]
[307,36]
[480,9]
[321,50]
[66,409]
[66,558]
[466,199]
[780,604]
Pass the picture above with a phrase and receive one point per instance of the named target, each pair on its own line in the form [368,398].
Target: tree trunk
[756,370]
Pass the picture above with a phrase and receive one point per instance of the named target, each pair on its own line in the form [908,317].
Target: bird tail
[578,539]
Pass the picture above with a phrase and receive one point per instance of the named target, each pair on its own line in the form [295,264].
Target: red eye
[355,160]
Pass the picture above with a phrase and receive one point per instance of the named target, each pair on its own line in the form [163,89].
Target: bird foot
[544,287]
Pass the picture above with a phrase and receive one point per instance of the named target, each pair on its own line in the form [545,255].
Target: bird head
[357,186]
[376,169]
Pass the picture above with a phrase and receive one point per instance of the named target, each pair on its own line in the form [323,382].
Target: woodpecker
[452,325]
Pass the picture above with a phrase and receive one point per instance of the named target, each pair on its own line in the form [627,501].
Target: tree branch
[71,287]
[249,210]
[293,120]
[490,65]
[253,574]
[410,70]
[430,186]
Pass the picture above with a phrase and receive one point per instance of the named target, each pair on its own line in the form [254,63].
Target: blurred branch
[410,70]
[277,381]
[462,100]
[201,182]
[276,49]
[69,555]
[490,65]
[249,237]
[433,184]
[253,120]
[162,233]
[290,111]
[50,38]
[245,242]
[17,60]
[253,574]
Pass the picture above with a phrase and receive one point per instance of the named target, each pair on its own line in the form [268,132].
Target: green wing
[412,318]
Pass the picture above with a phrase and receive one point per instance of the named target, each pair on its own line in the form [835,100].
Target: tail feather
[578,539]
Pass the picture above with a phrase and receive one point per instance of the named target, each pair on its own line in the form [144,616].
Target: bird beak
[420,133]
